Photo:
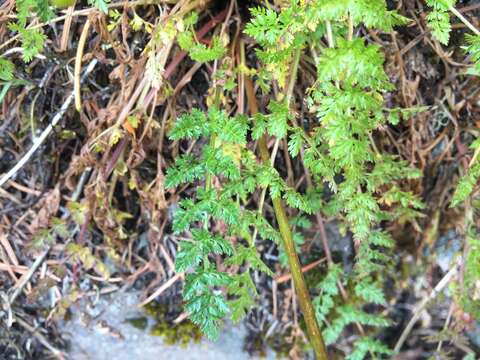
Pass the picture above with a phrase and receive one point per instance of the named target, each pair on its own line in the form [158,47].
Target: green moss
[182,333]
[156,310]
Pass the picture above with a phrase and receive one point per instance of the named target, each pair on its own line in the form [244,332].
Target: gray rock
[108,336]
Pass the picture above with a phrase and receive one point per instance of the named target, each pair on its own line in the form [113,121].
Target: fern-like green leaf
[473,49]
[6,69]
[439,19]
[466,185]
[366,345]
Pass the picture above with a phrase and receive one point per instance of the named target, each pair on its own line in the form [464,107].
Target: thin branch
[251,96]
[464,20]
[313,329]
[423,304]
[330,41]
[35,333]
[161,289]
[26,277]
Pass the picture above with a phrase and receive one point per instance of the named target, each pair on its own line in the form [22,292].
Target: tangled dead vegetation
[84,154]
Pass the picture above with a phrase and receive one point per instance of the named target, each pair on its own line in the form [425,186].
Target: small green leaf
[6,69]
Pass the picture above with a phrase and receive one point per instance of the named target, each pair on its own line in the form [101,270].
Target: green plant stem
[289,93]
[288,97]
[350,28]
[208,176]
[331,44]
[213,138]
[423,304]
[303,294]
[293,79]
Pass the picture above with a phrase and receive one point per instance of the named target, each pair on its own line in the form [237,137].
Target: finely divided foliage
[439,22]
[226,158]
[348,101]
[215,223]
[439,19]
[33,38]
